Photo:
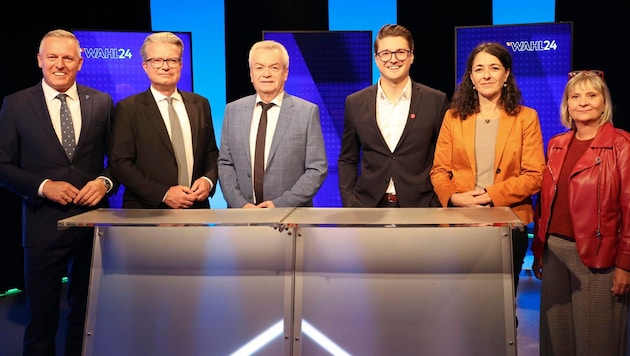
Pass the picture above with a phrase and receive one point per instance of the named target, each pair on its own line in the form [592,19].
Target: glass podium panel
[300,281]
[197,282]
[404,281]
[179,217]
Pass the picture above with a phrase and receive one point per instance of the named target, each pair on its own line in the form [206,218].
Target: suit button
[498,170]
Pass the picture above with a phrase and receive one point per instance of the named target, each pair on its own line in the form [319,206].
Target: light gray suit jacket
[297,163]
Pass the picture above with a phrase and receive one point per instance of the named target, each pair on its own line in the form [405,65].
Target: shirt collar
[405,94]
[159,96]
[50,94]
[277,100]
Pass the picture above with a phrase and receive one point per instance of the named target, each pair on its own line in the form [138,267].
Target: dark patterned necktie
[259,155]
[67,127]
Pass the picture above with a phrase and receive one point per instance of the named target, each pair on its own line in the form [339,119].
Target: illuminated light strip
[276,330]
[321,340]
[261,340]
[18,291]
[11,292]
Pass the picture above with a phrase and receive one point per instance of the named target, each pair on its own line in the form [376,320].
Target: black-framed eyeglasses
[401,54]
[159,62]
[596,72]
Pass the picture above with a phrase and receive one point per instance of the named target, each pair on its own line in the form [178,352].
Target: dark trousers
[44,269]
[520,244]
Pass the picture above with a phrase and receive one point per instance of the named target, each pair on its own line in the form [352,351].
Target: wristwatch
[107,183]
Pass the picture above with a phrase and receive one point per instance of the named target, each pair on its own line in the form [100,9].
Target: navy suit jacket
[366,163]
[31,152]
[142,157]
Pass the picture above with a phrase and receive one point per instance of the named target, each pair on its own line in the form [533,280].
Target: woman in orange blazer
[490,148]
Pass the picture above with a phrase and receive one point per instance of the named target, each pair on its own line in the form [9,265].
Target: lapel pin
[412,116]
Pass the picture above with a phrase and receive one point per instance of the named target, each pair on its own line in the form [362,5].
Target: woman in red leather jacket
[582,232]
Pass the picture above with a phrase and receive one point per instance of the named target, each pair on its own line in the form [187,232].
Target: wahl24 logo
[532,46]
[106,53]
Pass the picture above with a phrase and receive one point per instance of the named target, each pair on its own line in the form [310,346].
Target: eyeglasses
[386,55]
[598,73]
[159,62]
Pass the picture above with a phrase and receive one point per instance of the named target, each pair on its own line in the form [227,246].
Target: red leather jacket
[599,198]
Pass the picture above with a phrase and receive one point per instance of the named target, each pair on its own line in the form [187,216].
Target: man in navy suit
[390,132]
[55,183]
[294,163]
[143,156]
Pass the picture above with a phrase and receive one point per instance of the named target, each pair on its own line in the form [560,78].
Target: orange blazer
[519,160]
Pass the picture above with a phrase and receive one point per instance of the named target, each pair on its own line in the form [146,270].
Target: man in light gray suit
[292,155]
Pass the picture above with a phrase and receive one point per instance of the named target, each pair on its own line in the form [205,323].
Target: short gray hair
[271,45]
[59,33]
[161,37]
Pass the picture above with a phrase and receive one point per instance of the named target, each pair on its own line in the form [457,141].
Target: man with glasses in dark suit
[163,149]
[390,131]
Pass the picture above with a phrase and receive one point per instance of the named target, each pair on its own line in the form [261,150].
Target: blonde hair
[586,79]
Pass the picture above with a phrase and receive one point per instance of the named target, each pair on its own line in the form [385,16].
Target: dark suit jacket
[409,165]
[31,152]
[142,157]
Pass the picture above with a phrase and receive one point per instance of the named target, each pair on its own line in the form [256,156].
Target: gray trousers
[578,313]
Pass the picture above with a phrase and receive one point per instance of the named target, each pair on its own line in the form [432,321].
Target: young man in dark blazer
[144,154]
[390,131]
[57,176]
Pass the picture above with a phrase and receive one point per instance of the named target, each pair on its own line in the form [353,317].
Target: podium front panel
[303,281]
[190,290]
[376,288]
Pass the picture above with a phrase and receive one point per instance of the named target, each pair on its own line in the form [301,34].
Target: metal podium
[301,281]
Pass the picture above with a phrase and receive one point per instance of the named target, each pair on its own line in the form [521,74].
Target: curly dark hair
[465,100]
